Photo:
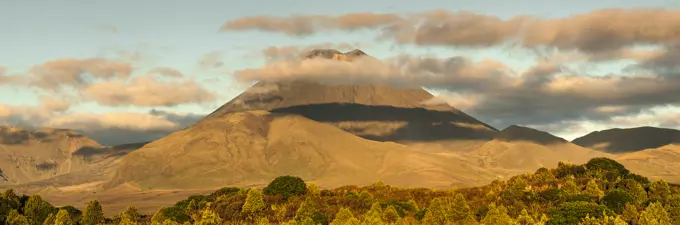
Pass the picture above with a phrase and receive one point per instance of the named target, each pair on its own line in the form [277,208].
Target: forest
[599,192]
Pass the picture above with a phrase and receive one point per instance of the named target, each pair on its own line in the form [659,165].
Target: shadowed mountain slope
[372,111]
[628,140]
[252,148]
[519,133]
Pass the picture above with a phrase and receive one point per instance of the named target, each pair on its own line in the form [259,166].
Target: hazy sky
[135,70]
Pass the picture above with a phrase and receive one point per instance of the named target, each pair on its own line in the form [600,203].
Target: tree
[286,186]
[63,218]
[570,188]
[173,213]
[593,190]
[654,214]
[12,199]
[572,212]
[306,210]
[659,191]
[130,214]
[254,202]
[524,218]
[611,169]
[635,189]
[497,215]
[36,210]
[93,214]
[617,199]
[447,209]
[313,189]
[630,213]
[391,215]
[673,208]
[49,220]
[14,218]
[374,215]
[345,217]
[209,217]
[4,209]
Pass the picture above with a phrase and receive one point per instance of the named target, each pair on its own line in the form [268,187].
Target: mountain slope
[654,163]
[252,148]
[628,140]
[525,149]
[27,156]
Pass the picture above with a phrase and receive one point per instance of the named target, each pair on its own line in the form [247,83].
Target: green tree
[313,189]
[654,214]
[173,213]
[617,199]
[37,210]
[391,215]
[131,214]
[630,213]
[63,218]
[659,191]
[93,214]
[345,217]
[524,218]
[635,189]
[286,186]
[571,212]
[672,206]
[593,190]
[254,202]
[4,209]
[14,218]
[306,210]
[497,215]
[209,217]
[49,220]
[570,188]
[374,216]
[445,209]
[13,200]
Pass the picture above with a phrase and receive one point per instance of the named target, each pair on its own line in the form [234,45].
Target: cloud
[166,71]
[148,91]
[210,60]
[596,31]
[309,24]
[57,74]
[116,120]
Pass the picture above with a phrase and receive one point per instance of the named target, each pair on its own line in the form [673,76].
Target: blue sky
[176,34]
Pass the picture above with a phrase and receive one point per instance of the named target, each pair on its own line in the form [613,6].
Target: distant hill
[519,133]
[32,155]
[628,140]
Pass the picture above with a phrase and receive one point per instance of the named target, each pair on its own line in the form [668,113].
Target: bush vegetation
[600,192]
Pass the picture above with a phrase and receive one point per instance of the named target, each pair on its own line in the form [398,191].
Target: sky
[126,71]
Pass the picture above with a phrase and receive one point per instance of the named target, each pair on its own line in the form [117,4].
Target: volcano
[334,134]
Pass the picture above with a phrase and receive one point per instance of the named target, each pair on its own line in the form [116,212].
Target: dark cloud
[597,31]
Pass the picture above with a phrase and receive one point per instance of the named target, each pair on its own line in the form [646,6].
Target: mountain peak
[520,133]
[335,54]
